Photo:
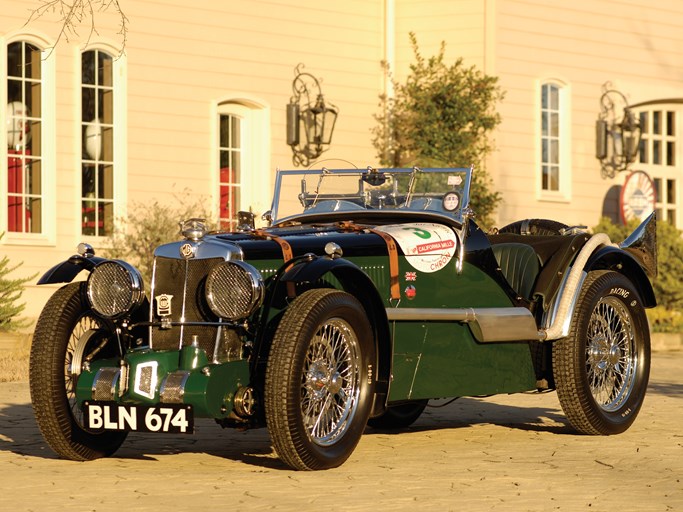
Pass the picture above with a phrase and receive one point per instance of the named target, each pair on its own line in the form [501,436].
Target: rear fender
[66,271]
[357,283]
[613,258]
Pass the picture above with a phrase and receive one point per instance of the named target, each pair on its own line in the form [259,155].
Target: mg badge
[187,251]
[164,305]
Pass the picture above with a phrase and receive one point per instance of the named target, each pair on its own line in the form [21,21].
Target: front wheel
[319,385]
[67,336]
[602,368]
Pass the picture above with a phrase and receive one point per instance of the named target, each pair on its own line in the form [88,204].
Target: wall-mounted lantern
[617,133]
[307,112]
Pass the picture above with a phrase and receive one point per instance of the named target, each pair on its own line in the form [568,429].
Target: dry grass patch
[14,359]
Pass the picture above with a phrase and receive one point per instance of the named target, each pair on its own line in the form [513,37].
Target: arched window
[24,117]
[554,141]
[242,159]
[97,143]
[230,161]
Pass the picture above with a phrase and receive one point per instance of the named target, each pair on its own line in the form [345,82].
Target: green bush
[668,285]
[149,225]
[441,117]
[665,320]
[10,293]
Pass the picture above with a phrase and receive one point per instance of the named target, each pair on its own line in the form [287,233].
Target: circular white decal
[451,201]
[428,247]
[638,197]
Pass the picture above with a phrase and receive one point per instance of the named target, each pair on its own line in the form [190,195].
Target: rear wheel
[602,368]
[68,335]
[319,385]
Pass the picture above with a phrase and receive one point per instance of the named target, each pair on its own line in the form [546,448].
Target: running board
[488,325]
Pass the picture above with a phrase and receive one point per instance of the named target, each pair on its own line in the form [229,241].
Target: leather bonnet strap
[391,248]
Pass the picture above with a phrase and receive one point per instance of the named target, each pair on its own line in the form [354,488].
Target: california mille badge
[187,251]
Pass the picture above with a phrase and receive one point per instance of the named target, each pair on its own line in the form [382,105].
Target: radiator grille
[184,280]
[104,385]
[173,388]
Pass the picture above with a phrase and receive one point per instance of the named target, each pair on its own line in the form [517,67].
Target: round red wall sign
[638,197]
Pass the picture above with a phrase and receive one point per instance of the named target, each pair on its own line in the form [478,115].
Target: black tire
[602,368]
[534,227]
[399,416]
[319,386]
[66,334]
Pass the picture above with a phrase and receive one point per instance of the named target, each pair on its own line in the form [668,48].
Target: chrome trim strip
[150,339]
[203,249]
[549,320]
[442,314]
[217,340]
[488,325]
[566,302]
[184,303]
[143,387]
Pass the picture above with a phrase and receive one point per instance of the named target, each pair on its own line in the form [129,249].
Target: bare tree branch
[74,13]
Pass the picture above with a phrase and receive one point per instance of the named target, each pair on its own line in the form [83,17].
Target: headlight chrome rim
[114,289]
[234,290]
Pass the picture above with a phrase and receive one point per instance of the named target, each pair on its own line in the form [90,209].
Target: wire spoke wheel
[79,350]
[67,337]
[318,388]
[611,356]
[602,368]
[331,382]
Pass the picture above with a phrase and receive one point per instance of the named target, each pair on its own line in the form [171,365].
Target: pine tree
[10,292]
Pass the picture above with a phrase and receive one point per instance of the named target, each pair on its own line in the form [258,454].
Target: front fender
[357,283]
[66,271]
[311,271]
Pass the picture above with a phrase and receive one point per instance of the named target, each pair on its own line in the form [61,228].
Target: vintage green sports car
[372,292]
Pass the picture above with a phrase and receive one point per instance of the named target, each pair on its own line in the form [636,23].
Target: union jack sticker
[411,276]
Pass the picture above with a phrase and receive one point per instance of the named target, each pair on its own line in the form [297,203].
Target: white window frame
[256,175]
[234,186]
[48,234]
[662,171]
[120,87]
[564,192]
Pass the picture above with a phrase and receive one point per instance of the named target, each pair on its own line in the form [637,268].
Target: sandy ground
[501,453]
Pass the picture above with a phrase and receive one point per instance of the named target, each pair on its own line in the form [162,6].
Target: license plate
[166,418]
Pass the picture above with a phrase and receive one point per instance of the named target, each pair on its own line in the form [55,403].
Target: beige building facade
[194,109]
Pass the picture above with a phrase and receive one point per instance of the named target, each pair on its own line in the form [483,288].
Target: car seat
[520,265]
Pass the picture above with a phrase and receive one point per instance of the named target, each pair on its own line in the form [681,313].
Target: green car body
[359,304]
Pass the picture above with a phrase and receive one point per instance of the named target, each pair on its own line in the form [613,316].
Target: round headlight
[114,288]
[234,289]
